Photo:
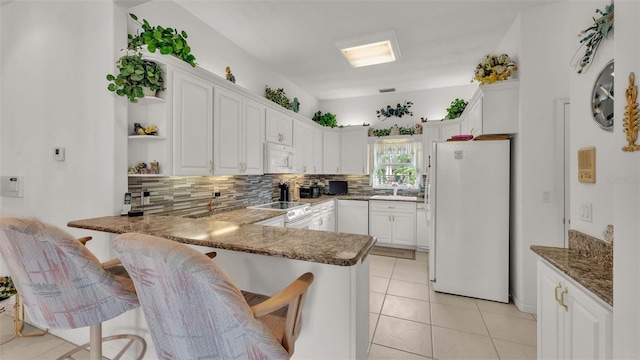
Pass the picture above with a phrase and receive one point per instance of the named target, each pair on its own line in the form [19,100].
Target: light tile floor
[408,320]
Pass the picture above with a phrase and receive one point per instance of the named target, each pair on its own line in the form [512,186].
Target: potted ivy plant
[137,77]
[455,110]
[167,40]
[327,119]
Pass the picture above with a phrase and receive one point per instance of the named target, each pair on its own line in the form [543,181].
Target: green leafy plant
[135,73]
[279,97]
[399,111]
[167,40]
[456,108]
[327,119]
[386,132]
[600,29]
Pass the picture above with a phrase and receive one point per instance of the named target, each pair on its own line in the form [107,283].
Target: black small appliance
[338,187]
[309,192]
[284,191]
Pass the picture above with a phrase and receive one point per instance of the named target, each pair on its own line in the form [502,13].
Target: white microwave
[278,159]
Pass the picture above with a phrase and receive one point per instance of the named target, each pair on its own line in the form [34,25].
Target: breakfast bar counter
[264,260]
[298,244]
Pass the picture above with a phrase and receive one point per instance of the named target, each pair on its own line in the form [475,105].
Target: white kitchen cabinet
[430,133]
[277,221]
[353,217]
[279,127]
[192,125]
[393,222]
[422,228]
[316,165]
[493,109]
[572,322]
[353,150]
[449,128]
[471,120]
[324,216]
[237,128]
[331,150]
[303,143]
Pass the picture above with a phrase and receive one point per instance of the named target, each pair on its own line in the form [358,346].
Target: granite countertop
[307,245]
[242,216]
[595,273]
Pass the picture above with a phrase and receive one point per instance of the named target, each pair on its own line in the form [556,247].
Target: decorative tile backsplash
[184,195]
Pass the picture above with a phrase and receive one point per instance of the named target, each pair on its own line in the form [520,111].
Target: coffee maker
[284,191]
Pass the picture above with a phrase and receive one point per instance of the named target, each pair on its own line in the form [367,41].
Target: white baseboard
[530,309]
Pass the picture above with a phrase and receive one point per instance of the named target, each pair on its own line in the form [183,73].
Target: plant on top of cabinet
[494,68]
[600,29]
[168,40]
[399,111]
[455,110]
[279,97]
[136,74]
[327,119]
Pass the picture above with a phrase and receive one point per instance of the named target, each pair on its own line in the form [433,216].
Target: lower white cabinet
[324,216]
[422,228]
[353,217]
[393,222]
[572,322]
[277,221]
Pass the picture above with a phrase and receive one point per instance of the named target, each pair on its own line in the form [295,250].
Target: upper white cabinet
[331,151]
[316,165]
[279,127]
[493,109]
[572,323]
[192,125]
[353,150]
[436,131]
[238,134]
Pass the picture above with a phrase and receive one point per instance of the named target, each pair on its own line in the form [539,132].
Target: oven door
[301,223]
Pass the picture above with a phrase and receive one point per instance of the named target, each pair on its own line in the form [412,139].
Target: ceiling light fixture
[373,49]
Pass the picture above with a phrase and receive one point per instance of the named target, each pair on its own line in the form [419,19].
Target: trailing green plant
[279,97]
[134,74]
[167,40]
[600,29]
[399,111]
[386,132]
[457,107]
[327,119]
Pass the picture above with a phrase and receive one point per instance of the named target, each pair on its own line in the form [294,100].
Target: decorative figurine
[418,129]
[296,105]
[155,167]
[423,119]
[372,131]
[138,129]
[230,76]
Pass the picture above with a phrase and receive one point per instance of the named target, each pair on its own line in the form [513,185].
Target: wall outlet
[146,197]
[216,192]
[546,196]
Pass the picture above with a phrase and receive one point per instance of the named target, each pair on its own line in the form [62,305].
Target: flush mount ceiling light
[370,49]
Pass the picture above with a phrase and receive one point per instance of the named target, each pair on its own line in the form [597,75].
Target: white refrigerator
[469,207]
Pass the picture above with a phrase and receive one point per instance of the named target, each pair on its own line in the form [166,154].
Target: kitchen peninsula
[265,259]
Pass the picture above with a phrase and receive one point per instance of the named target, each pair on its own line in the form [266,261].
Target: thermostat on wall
[587,165]
[12,186]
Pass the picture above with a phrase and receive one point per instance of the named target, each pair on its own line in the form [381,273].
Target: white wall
[625,173]
[543,79]
[432,104]
[214,52]
[586,133]
[55,56]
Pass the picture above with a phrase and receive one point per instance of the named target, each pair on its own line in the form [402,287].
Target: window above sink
[396,161]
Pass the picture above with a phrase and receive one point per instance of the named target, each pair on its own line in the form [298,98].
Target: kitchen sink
[394,197]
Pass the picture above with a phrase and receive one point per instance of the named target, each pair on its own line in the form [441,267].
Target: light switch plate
[12,186]
[58,153]
[586,212]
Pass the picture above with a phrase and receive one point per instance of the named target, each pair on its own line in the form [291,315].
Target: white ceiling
[440,41]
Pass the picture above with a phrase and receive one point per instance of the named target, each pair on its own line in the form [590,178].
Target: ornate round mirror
[602,98]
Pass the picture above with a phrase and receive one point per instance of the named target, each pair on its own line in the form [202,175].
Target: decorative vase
[148,92]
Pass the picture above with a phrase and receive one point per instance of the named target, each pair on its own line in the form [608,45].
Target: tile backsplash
[184,195]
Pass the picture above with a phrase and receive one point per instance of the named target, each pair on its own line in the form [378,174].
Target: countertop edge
[580,277]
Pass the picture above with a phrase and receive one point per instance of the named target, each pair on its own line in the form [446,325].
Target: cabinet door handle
[211,166]
[314,170]
[337,170]
[389,217]
[321,221]
[566,290]
[391,207]
[393,218]
[555,292]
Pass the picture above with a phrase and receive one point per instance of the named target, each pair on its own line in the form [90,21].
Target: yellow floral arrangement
[494,68]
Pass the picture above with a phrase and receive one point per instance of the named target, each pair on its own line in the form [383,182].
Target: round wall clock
[602,98]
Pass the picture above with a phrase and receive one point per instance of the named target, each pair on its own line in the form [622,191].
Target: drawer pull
[566,308]
[555,292]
